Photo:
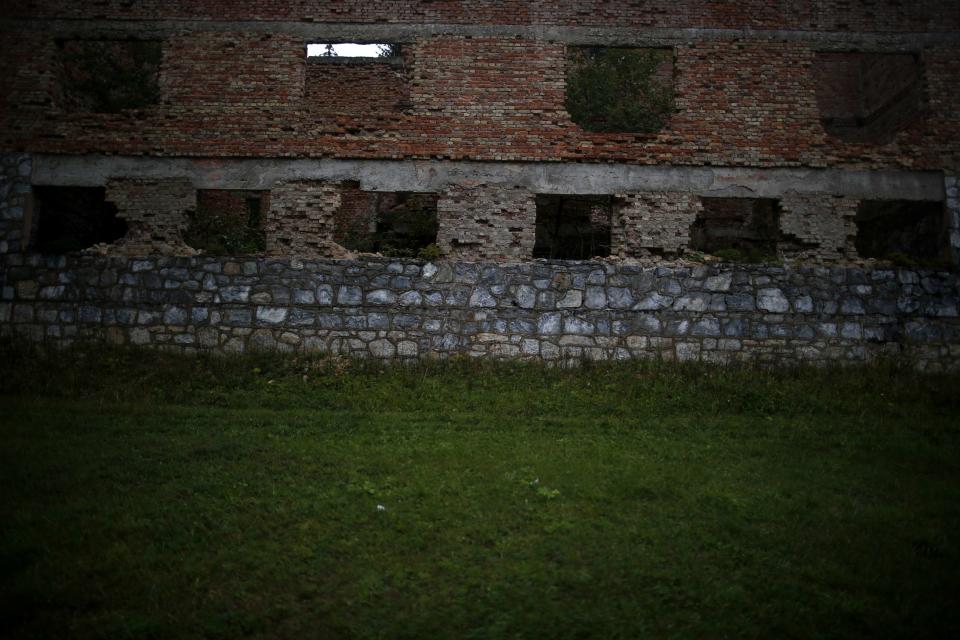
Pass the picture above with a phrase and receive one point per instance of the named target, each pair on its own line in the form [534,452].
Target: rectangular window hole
[108,76]
[71,219]
[620,89]
[228,222]
[395,224]
[354,50]
[572,227]
[738,229]
[905,232]
[868,97]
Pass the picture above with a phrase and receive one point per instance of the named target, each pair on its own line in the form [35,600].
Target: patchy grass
[147,495]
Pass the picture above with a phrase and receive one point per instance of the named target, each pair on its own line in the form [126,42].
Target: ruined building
[543,179]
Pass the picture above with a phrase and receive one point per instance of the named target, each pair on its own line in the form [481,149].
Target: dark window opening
[868,97]
[738,229]
[107,76]
[395,224]
[71,219]
[573,227]
[909,233]
[228,222]
[619,89]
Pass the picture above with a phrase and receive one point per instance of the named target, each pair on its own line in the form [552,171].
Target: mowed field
[152,495]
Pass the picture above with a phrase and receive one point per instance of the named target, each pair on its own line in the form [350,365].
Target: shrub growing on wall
[107,76]
[619,89]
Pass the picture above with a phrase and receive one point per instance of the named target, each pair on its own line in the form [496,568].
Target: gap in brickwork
[620,89]
[739,229]
[353,50]
[396,224]
[108,76]
[906,232]
[228,222]
[572,227]
[868,97]
[70,219]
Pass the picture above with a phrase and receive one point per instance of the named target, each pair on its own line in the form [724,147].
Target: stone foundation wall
[487,223]
[952,204]
[15,169]
[554,312]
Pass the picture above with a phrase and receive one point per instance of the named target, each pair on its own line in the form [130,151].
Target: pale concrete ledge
[543,177]
[575,35]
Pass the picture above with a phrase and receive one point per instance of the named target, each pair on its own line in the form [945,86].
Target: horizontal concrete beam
[543,177]
[575,35]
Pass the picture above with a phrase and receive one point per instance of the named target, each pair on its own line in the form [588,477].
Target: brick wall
[487,223]
[818,226]
[301,220]
[157,213]
[739,102]
[832,15]
[332,86]
[652,222]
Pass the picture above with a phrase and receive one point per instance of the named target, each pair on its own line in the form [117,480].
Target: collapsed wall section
[818,226]
[551,312]
[157,212]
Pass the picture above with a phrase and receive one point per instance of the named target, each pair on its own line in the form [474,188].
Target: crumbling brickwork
[302,218]
[652,222]
[487,223]
[818,227]
[157,213]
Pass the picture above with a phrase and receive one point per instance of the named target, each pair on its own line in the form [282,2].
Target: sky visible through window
[347,49]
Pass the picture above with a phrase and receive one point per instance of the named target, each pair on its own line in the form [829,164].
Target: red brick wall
[741,103]
[331,87]
[841,15]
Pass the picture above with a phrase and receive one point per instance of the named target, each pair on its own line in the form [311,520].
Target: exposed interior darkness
[398,224]
[107,76]
[737,227]
[228,222]
[71,219]
[868,97]
[903,231]
[573,227]
[620,89]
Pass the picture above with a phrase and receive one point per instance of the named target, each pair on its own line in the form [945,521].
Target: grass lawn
[147,495]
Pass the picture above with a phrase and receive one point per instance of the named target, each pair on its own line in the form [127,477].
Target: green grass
[146,495]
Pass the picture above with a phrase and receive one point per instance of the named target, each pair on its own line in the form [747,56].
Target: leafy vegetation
[619,89]
[227,223]
[150,495]
[108,76]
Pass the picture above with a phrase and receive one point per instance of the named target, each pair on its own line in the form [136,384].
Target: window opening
[572,227]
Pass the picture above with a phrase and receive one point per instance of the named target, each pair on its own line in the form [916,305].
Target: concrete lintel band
[575,35]
[435,176]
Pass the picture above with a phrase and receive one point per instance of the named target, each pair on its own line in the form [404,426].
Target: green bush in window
[619,89]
